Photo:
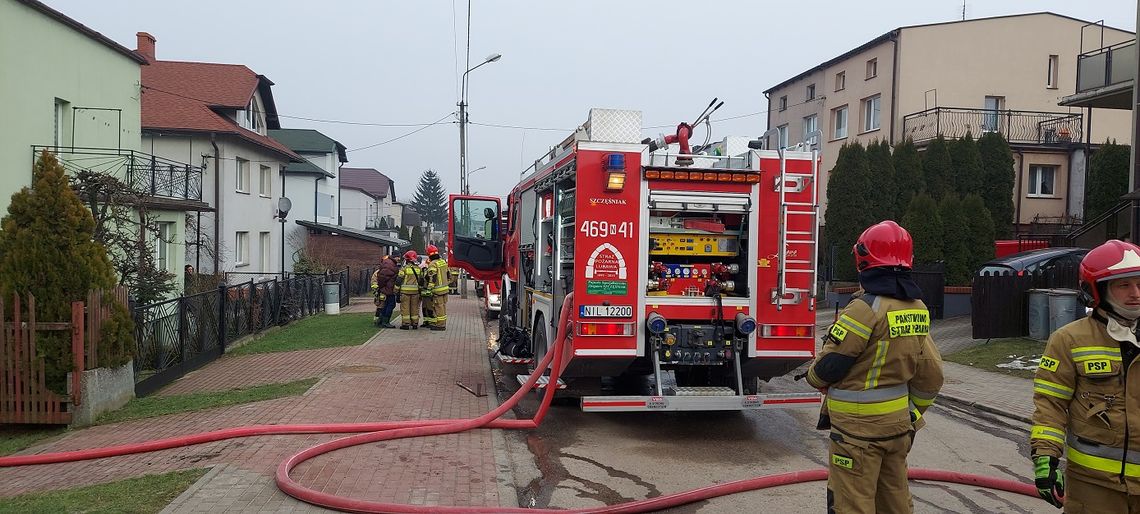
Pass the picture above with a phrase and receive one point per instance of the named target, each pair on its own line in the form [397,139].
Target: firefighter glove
[1048,479]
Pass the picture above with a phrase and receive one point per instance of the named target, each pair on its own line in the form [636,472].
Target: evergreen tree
[1108,178]
[980,231]
[431,200]
[998,177]
[883,183]
[847,216]
[966,161]
[383,223]
[908,175]
[46,249]
[937,168]
[955,240]
[418,240]
[405,233]
[925,227]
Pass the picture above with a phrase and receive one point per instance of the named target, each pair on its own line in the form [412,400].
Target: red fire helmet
[410,255]
[884,244]
[1111,260]
[432,250]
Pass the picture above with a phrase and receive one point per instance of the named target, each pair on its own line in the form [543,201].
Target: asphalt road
[578,459]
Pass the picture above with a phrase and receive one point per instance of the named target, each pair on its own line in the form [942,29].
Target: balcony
[1104,77]
[147,175]
[1018,127]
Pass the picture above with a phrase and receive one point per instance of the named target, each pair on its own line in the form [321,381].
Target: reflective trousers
[410,309]
[868,477]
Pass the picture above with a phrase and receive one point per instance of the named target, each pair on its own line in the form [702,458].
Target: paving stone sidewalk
[395,375]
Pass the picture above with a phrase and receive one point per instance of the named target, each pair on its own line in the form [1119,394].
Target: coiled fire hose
[556,359]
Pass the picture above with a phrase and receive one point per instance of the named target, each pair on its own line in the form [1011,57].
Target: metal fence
[146,174]
[999,302]
[177,336]
[1016,126]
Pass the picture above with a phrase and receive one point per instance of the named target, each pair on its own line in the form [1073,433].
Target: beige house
[1004,74]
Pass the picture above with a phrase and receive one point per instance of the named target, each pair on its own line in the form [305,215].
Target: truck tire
[492,315]
[539,344]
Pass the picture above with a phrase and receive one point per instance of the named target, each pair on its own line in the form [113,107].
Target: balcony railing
[1106,66]
[145,174]
[1030,127]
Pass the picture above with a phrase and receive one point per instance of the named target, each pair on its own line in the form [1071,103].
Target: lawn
[14,438]
[321,331]
[152,406]
[1015,356]
[145,494]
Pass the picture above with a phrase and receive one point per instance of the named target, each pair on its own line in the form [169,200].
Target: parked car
[492,299]
[1034,260]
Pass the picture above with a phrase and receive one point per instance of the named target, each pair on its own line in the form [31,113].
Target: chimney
[145,46]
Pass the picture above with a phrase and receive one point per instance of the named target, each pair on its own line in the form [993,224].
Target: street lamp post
[463,123]
[463,145]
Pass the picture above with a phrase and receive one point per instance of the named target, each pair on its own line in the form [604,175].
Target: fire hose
[556,360]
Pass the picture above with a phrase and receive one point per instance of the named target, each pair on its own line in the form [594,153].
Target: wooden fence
[999,302]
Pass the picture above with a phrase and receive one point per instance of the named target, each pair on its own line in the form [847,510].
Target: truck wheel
[492,315]
[538,341]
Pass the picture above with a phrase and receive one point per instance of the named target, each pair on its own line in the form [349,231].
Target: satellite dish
[283,206]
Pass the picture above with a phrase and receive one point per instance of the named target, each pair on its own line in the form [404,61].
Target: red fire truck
[695,266]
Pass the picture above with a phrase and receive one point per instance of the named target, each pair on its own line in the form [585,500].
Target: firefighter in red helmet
[880,371]
[410,280]
[1084,406]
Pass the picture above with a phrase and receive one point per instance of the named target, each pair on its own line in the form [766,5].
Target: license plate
[605,311]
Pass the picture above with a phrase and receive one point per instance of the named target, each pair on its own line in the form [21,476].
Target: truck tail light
[590,328]
[787,331]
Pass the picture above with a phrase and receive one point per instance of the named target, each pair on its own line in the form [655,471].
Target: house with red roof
[219,115]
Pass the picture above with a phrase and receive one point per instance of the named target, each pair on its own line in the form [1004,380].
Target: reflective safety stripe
[1084,353]
[850,324]
[922,398]
[867,409]
[1047,433]
[870,395]
[877,368]
[1102,458]
[1052,389]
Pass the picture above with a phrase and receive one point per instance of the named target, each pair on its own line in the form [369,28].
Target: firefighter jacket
[384,279]
[410,278]
[1083,401]
[880,367]
[440,283]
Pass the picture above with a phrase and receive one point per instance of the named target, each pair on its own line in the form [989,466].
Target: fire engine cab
[695,266]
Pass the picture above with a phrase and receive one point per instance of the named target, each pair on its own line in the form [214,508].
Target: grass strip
[153,406]
[988,356]
[145,494]
[320,331]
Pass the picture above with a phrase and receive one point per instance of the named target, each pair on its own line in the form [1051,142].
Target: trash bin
[1039,314]
[1064,308]
[332,297]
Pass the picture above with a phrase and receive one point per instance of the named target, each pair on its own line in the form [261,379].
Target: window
[1051,72]
[163,238]
[991,119]
[784,103]
[1041,179]
[263,248]
[241,249]
[811,124]
[242,185]
[266,181]
[783,139]
[810,92]
[872,69]
[839,123]
[840,81]
[476,219]
[59,121]
[871,113]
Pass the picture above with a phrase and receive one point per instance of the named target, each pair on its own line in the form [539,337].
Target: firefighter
[384,291]
[1082,406]
[409,278]
[880,372]
[439,278]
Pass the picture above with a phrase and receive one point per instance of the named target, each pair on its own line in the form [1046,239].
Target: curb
[984,408]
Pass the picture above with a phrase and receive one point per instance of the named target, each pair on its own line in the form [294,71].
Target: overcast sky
[387,62]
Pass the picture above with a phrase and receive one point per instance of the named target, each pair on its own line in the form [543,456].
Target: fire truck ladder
[806,241]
